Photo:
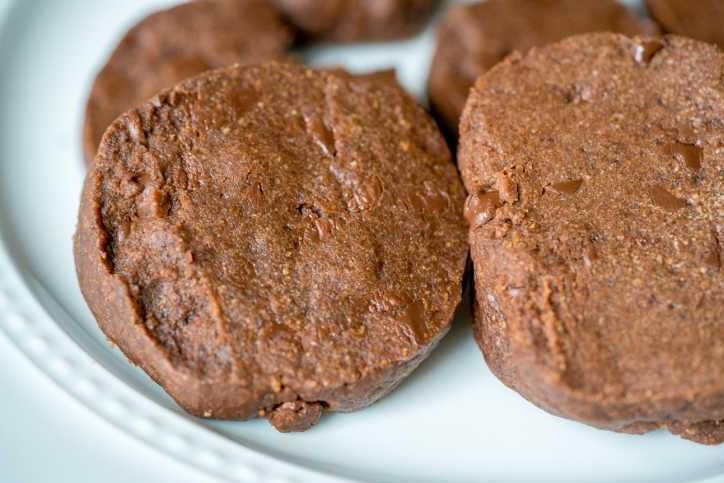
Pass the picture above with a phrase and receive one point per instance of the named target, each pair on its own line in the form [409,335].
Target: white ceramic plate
[451,421]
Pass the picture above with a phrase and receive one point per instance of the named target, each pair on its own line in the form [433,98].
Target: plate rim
[27,324]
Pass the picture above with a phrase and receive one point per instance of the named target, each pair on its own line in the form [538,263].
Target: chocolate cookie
[595,168]
[274,241]
[174,44]
[701,20]
[388,76]
[473,38]
[357,20]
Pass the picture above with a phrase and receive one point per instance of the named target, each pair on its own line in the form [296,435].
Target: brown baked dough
[385,76]
[595,168]
[700,19]
[171,45]
[357,20]
[473,38]
[271,240]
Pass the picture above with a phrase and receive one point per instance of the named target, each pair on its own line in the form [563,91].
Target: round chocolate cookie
[473,38]
[171,45]
[702,19]
[275,241]
[595,168]
[357,20]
